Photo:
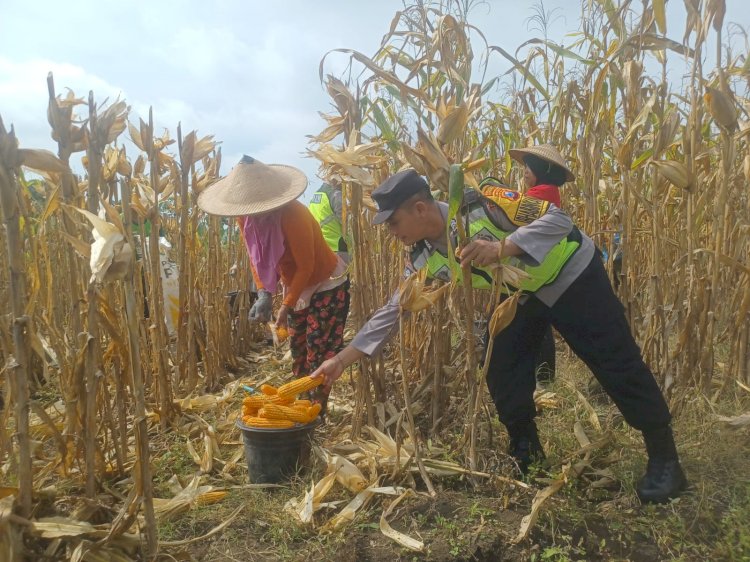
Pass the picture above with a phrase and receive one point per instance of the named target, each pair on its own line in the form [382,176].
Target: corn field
[95,358]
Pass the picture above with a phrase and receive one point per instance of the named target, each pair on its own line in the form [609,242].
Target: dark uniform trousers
[591,319]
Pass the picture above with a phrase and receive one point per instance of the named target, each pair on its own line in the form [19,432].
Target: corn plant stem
[470,342]
[20,392]
[189,270]
[362,405]
[122,415]
[437,376]
[67,183]
[182,323]
[156,301]
[19,367]
[93,366]
[657,273]
[143,466]
[409,414]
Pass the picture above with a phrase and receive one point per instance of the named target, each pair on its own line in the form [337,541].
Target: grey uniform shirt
[535,239]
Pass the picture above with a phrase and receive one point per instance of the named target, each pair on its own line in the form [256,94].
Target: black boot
[525,447]
[664,478]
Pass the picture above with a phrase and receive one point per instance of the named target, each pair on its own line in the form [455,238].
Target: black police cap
[394,191]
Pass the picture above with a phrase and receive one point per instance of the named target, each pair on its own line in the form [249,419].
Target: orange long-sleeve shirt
[307,260]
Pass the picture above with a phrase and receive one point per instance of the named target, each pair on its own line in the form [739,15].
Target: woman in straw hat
[285,244]
[544,173]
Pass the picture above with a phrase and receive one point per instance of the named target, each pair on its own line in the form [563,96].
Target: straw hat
[251,188]
[545,152]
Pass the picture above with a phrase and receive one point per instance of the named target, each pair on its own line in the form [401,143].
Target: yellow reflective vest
[520,210]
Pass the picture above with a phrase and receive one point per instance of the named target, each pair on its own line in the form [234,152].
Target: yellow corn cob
[268,390]
[211,497]
[249,410]
[313,411]
[302,403]
[256,421]
[259,400]
[276,412]
[255,401]
[303,384]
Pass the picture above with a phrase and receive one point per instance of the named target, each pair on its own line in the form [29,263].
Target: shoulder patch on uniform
[510,195]
[520,209]
[529,209]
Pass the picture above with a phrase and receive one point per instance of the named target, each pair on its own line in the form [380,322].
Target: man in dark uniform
[567,287]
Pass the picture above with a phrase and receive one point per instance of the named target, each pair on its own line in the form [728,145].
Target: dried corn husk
[722,108]
[675,172]
[413,297]
[111,255]
[402,539]
[503,314]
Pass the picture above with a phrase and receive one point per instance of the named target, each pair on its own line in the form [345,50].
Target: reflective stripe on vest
[482,228]
[330,224]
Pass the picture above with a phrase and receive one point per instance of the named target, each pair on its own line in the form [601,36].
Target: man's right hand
[262,308]
[331,369]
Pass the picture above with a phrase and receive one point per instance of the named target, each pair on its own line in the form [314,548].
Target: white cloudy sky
[243,70]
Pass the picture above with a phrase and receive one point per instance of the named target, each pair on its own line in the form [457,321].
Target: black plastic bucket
[275,455]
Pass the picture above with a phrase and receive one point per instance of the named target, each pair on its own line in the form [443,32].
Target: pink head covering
[264,239]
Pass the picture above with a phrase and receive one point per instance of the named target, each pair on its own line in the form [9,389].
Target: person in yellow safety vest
[567,287]
[327,208]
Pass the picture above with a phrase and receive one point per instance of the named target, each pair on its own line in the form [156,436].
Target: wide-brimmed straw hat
[545,152]
[251,188]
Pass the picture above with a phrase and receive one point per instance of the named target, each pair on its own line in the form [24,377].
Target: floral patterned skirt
[316,333]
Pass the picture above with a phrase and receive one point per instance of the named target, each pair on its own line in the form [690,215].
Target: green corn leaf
[455,197]
[558,49]
[523,70]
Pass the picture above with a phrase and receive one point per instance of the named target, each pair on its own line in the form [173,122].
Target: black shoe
[664,479]
[525,447]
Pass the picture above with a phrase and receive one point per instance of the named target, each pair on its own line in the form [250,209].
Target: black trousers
[545,361]
[592,321]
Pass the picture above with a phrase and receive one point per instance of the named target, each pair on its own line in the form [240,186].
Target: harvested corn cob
[255,401]
[302,403]
[257,421]
[314,410]
[259,400]
[249,410]
[282,334]
[268,390]
[276,412]
[283,400]
[303,384]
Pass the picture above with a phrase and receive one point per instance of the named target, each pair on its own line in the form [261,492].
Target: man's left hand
[481,253]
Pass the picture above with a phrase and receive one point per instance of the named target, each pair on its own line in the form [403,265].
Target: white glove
[262,307]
